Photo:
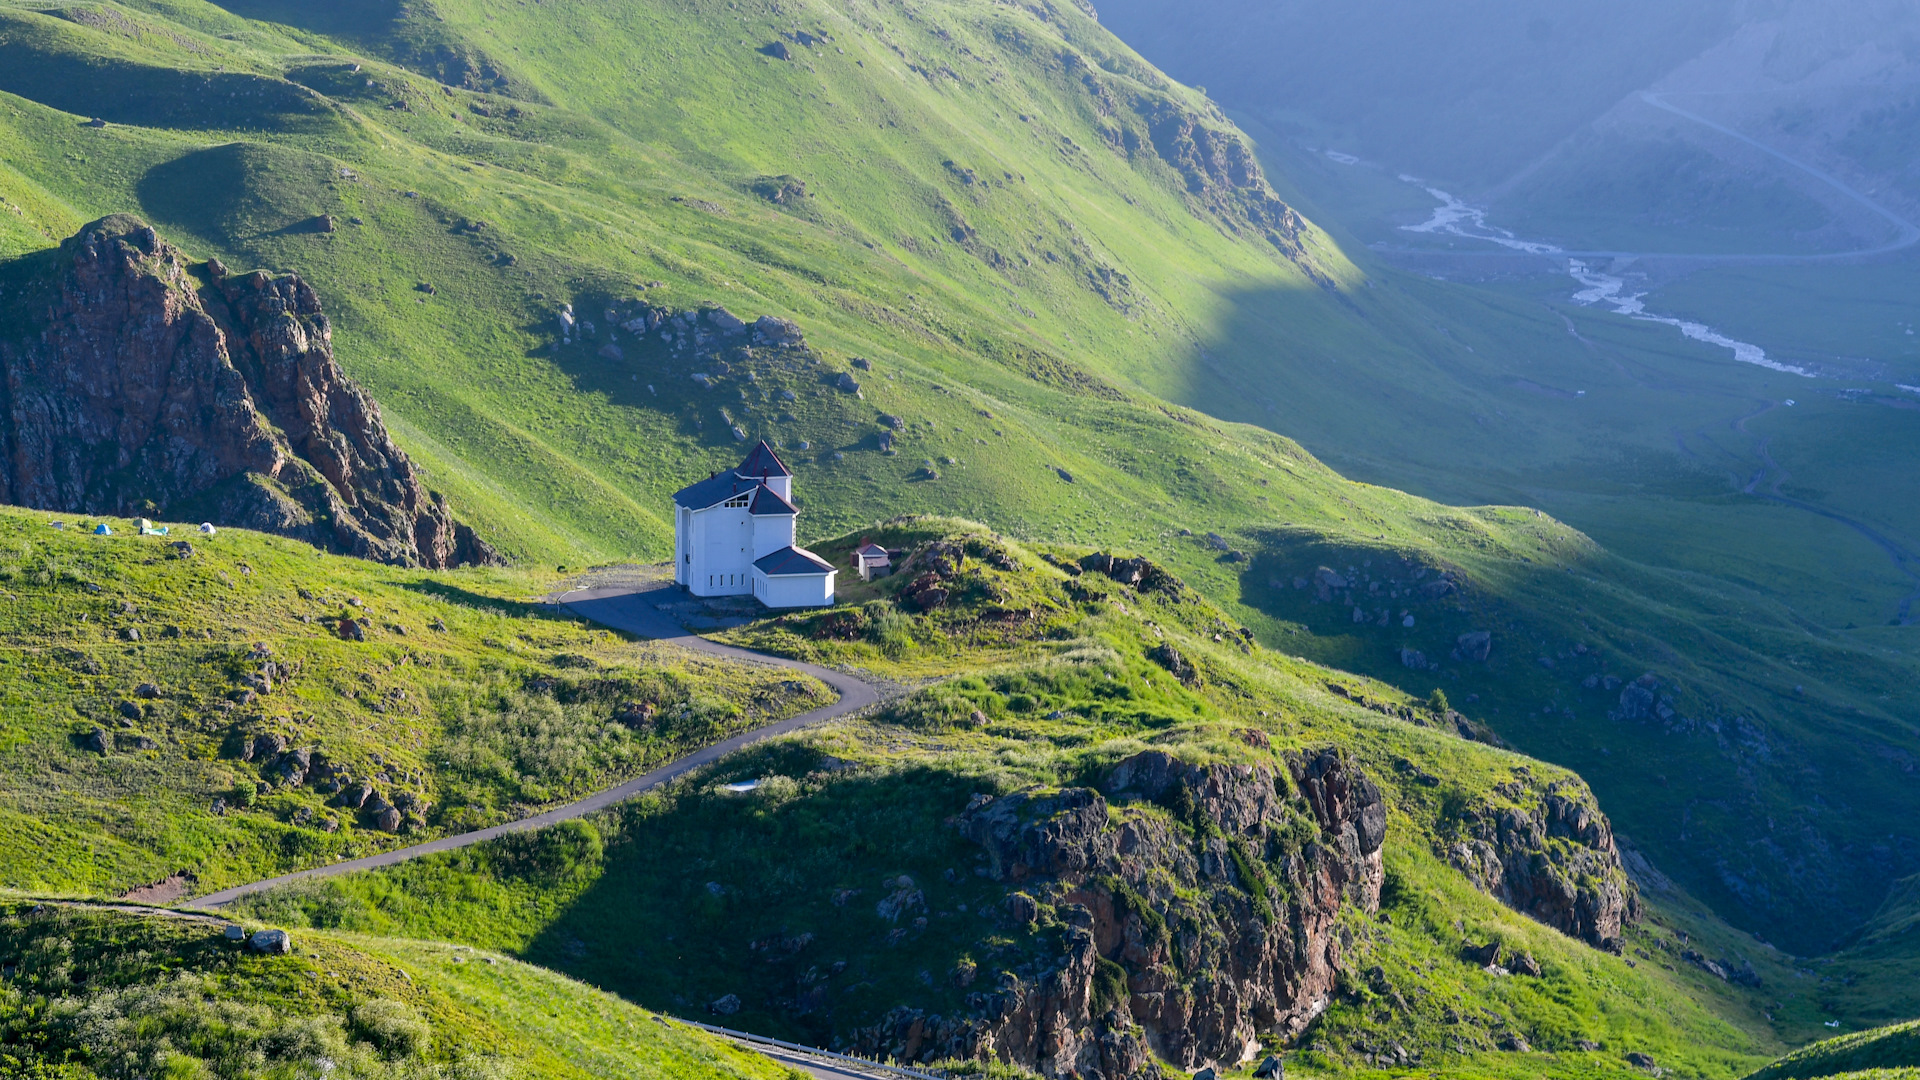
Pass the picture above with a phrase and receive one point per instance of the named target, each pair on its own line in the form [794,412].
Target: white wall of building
[795,590]
[771,532]
[721,541]
[783,485]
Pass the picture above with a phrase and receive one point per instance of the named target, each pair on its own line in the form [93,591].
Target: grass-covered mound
[101,993]
[760,877]
[202,705]
[1882,1052]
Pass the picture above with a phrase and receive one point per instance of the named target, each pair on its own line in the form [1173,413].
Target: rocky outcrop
[137,389]
[1191,909]
[1549,855]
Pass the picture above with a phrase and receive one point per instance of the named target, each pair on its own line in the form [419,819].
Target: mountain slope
[106,993]
[1026,234]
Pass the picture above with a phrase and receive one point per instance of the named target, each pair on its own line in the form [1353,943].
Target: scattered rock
[147,691]
[97,741]
[1524,964]
[847,384]
[235,934]
[1175,662]
[725,1005]
[1474,646]
[271,942]
[351,630]
[1643,1062]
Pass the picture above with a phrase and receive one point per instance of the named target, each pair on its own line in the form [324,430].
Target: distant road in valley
[629,608]
[1907,233]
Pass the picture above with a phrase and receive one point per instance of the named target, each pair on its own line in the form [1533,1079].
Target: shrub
[887,629]
[393,1028]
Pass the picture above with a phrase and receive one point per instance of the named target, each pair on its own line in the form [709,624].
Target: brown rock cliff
[130,387]
[1193,907]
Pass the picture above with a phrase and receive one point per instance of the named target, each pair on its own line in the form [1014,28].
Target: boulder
[388,820]
[97,741]
[725,1005]
[1474,646]
[1325,581]
[1175,662]
[1524,964]
[271,943]
[234,933]
[147,691]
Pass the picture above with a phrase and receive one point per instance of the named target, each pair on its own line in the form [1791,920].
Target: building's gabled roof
[767,501]
[762,462]
[871,550]
[791,561]
[714,490]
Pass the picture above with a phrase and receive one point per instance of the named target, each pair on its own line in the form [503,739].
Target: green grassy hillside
[1032,240]
[152,693]
[99,993]
[1054,694]
[1889,1052]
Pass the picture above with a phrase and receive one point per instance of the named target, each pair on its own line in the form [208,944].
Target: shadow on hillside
[714,894]
[237,192]
[352,18]
[454,594]
[141,96]
[1679,767]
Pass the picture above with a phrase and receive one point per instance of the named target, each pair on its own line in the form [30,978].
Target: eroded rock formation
[133,388]
[1549,855]
[1191,909]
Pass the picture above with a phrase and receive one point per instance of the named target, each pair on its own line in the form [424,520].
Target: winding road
[630,609]
[1906,233]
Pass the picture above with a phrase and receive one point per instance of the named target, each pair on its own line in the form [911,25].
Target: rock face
[1552,857]
[139,391]
[1192,909]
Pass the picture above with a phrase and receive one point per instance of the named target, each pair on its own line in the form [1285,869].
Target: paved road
[628,608]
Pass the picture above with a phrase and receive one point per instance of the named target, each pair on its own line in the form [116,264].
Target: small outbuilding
[872,560]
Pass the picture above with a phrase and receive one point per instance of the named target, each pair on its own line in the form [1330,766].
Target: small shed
[872,560]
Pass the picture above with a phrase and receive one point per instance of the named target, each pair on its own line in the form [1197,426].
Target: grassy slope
[969,298]
[103,993]
[1065,694]
[443,700]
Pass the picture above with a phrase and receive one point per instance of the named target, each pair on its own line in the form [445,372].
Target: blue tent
[102,530]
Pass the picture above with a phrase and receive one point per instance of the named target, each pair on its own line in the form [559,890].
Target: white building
[733,536]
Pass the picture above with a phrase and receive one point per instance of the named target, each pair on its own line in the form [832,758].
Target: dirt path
[627,607]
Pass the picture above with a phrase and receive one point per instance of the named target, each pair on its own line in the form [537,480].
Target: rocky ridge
[1193,908]
[133,388]
[1550,854]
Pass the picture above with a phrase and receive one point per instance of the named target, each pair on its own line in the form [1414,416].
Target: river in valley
[1455,218]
